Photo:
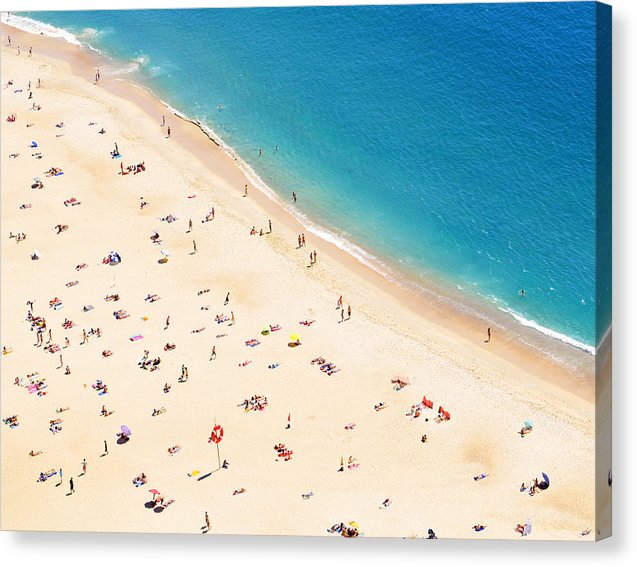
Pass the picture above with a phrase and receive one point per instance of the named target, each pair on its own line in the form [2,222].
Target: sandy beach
[335,429]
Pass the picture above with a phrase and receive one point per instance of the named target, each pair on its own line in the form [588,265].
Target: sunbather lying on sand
[140,480]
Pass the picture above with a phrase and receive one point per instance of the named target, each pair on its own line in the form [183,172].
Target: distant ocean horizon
[452,143]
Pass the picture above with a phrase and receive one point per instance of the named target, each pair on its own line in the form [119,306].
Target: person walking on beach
[83,466]
[207,521]
[167,322]
[71,486]
[30,51]
[342,315]
[105,447]
[9,38]
[18,50]
[299,239]
[232,317]
[311,259]
[227,299]
[59,483]
[189,226]
[245,190]
[194,247]
[488,335]
[163,121]
[67,370]
[349,312]
[61,363]
[213,354]
[303,238]
[270,226]
[168,131]
[84,336]
[314,262]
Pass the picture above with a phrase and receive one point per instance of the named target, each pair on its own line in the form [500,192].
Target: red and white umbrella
[217,435]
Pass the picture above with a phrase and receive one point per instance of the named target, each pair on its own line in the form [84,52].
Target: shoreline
[570,368]
[445,293]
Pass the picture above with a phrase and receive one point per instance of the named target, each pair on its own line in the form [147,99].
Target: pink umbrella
[154,491]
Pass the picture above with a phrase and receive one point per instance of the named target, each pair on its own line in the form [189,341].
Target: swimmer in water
[522,293]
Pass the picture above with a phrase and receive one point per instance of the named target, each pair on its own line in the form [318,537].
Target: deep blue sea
[455,142]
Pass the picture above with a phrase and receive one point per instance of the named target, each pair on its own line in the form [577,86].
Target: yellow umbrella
[354,525]
[295,338]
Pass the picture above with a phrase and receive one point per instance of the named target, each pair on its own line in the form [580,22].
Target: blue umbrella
[545,483]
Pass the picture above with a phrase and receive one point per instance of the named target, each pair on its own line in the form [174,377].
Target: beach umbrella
[154,491]
[217,434]
[296,338]
[528,423]
[125,430]
[354,525]
[165,252]
[215,437]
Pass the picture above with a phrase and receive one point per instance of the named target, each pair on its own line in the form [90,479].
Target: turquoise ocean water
[451,142]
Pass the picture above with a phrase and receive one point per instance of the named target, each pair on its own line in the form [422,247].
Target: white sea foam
[142,60]
[38,28]
[549,332]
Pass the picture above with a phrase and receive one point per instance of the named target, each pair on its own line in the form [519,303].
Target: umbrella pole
[218,456]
